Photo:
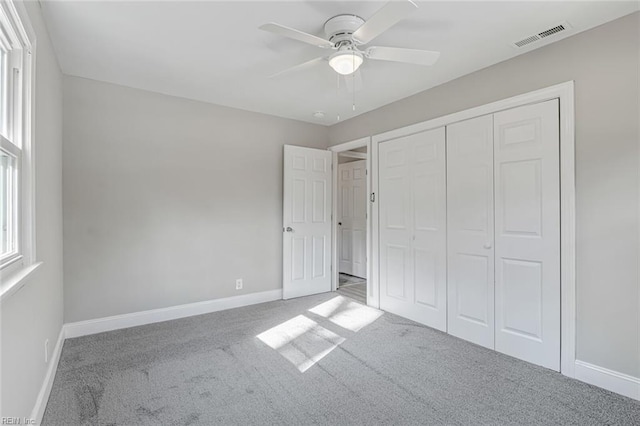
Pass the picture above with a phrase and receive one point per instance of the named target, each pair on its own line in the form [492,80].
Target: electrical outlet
[46,351]
[239,284]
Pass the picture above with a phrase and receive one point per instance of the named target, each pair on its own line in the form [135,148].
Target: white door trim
[565,93]
[350,154]
[372,278]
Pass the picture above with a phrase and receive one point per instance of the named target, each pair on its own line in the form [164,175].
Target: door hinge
[373,197]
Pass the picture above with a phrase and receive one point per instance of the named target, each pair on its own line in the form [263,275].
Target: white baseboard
[45,390]
[99,325]
[608,379]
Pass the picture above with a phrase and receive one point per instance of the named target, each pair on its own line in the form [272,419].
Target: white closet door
[352,218]
[527,220]
[412,206]
[470,230]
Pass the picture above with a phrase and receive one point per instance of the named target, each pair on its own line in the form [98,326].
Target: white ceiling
[213,51]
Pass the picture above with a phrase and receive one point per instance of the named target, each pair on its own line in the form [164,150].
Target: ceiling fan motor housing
[340,28]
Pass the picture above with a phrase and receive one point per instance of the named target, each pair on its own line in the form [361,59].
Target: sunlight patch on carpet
[346,313]
[301,341]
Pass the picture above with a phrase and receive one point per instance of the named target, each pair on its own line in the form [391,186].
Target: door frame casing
[372,283]
[565,93]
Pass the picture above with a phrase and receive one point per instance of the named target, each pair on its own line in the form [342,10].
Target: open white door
[352,218]
[306,222]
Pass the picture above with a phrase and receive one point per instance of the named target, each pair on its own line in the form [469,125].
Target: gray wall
[34,313]
[604,63]
[167,201]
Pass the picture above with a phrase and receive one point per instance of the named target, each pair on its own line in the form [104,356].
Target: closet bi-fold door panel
[412,207]
[470,230]
[527,221]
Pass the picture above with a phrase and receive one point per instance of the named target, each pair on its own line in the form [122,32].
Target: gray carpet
[322,359]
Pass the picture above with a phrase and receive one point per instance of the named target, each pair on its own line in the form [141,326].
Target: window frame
[17,40]
[14,204]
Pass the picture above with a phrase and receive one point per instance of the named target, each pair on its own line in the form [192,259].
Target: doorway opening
[351,220]
[353,287]
[352,224]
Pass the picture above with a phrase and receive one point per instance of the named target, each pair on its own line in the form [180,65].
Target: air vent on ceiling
[527,40]
[552,31]
[546,33]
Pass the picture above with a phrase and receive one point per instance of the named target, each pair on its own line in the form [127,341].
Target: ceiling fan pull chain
[353,77]
[353,81]
[338,93]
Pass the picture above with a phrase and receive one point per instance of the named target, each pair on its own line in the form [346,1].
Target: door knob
[289,229]
[340,223]
[487,245]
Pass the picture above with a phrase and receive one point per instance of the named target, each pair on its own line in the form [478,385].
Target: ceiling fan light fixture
[346,62]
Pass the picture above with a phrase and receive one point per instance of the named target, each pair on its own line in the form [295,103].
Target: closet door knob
[487,245]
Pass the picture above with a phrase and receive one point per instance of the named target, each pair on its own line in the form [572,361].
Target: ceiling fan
[346,33]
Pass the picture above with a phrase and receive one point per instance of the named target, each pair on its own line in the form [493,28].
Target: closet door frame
[564,92]
[372,265]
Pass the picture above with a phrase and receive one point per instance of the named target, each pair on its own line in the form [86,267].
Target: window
[9,181]
[16,226]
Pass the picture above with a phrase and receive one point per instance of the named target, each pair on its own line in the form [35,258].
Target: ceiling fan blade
[296,35]
[383,19]
[299,67]
[398,54]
